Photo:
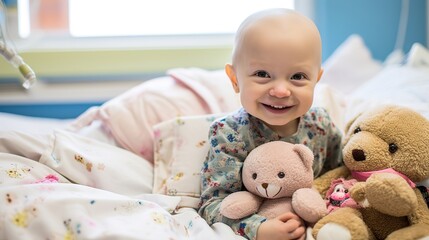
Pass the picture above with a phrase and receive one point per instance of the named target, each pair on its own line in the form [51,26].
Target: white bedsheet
[86,189]
[70,211]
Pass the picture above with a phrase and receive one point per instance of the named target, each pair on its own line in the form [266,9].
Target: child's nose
[280,89]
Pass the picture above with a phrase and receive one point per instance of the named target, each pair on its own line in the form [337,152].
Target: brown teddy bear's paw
[390,194]
[357,192]
[343,223]
[415,232]
[331,231]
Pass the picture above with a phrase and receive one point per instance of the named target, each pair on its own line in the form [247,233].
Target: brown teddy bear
[278,177]
[387,150]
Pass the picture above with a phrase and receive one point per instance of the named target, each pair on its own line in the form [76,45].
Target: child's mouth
[276,108]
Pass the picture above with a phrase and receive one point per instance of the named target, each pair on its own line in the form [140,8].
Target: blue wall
[48,110]
[375,20]
[10,3]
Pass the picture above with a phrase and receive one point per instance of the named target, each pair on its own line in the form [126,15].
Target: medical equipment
[9,53]
[28,75]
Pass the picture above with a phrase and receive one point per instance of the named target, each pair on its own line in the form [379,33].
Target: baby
[276,64]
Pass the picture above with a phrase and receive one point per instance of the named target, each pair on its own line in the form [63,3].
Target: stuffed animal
[387,150]
[338,194]
[278,177]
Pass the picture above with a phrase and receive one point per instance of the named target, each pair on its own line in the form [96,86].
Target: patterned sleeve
[334,145]
[221,175]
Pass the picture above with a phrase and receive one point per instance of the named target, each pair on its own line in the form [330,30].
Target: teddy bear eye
[393,148]
[254,176]
[357,130]
[281,174]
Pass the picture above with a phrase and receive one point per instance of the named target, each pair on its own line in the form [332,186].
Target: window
[161,17]
[155,20]
[106,40]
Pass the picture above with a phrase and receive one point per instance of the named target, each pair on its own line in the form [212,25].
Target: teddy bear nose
[358,155]
[265,185]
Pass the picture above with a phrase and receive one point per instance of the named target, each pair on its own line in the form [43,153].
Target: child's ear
[232,77]
[320,74]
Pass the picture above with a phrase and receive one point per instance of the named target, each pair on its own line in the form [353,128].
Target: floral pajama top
[231,139]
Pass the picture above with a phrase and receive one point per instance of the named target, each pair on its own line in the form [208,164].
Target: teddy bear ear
[305,153]
[351,121]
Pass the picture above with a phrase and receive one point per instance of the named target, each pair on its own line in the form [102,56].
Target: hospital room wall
[375,20]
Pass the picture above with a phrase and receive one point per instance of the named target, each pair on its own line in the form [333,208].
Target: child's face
[276,70]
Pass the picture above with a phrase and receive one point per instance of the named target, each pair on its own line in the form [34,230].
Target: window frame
[54,56]
[51,40]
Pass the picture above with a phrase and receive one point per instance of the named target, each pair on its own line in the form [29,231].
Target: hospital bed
[129,169]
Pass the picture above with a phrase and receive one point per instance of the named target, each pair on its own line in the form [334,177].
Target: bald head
[277,24]
[276,62]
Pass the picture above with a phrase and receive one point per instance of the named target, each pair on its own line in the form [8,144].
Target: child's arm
[221,176]
[285,226]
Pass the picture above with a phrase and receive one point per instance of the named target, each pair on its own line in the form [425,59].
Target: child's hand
[284,227]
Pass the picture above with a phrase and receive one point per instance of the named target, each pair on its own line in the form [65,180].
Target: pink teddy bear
[278,177]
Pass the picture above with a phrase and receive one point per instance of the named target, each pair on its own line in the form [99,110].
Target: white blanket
[85,189]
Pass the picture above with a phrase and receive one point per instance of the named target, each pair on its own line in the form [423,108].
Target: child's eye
[262,74]
[298,76]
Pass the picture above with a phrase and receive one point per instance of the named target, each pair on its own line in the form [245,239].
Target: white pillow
[333,101]
[350,65]
[181,147]
[399,84]
[418,56]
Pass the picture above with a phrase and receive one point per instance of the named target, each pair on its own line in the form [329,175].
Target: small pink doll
[338,194]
